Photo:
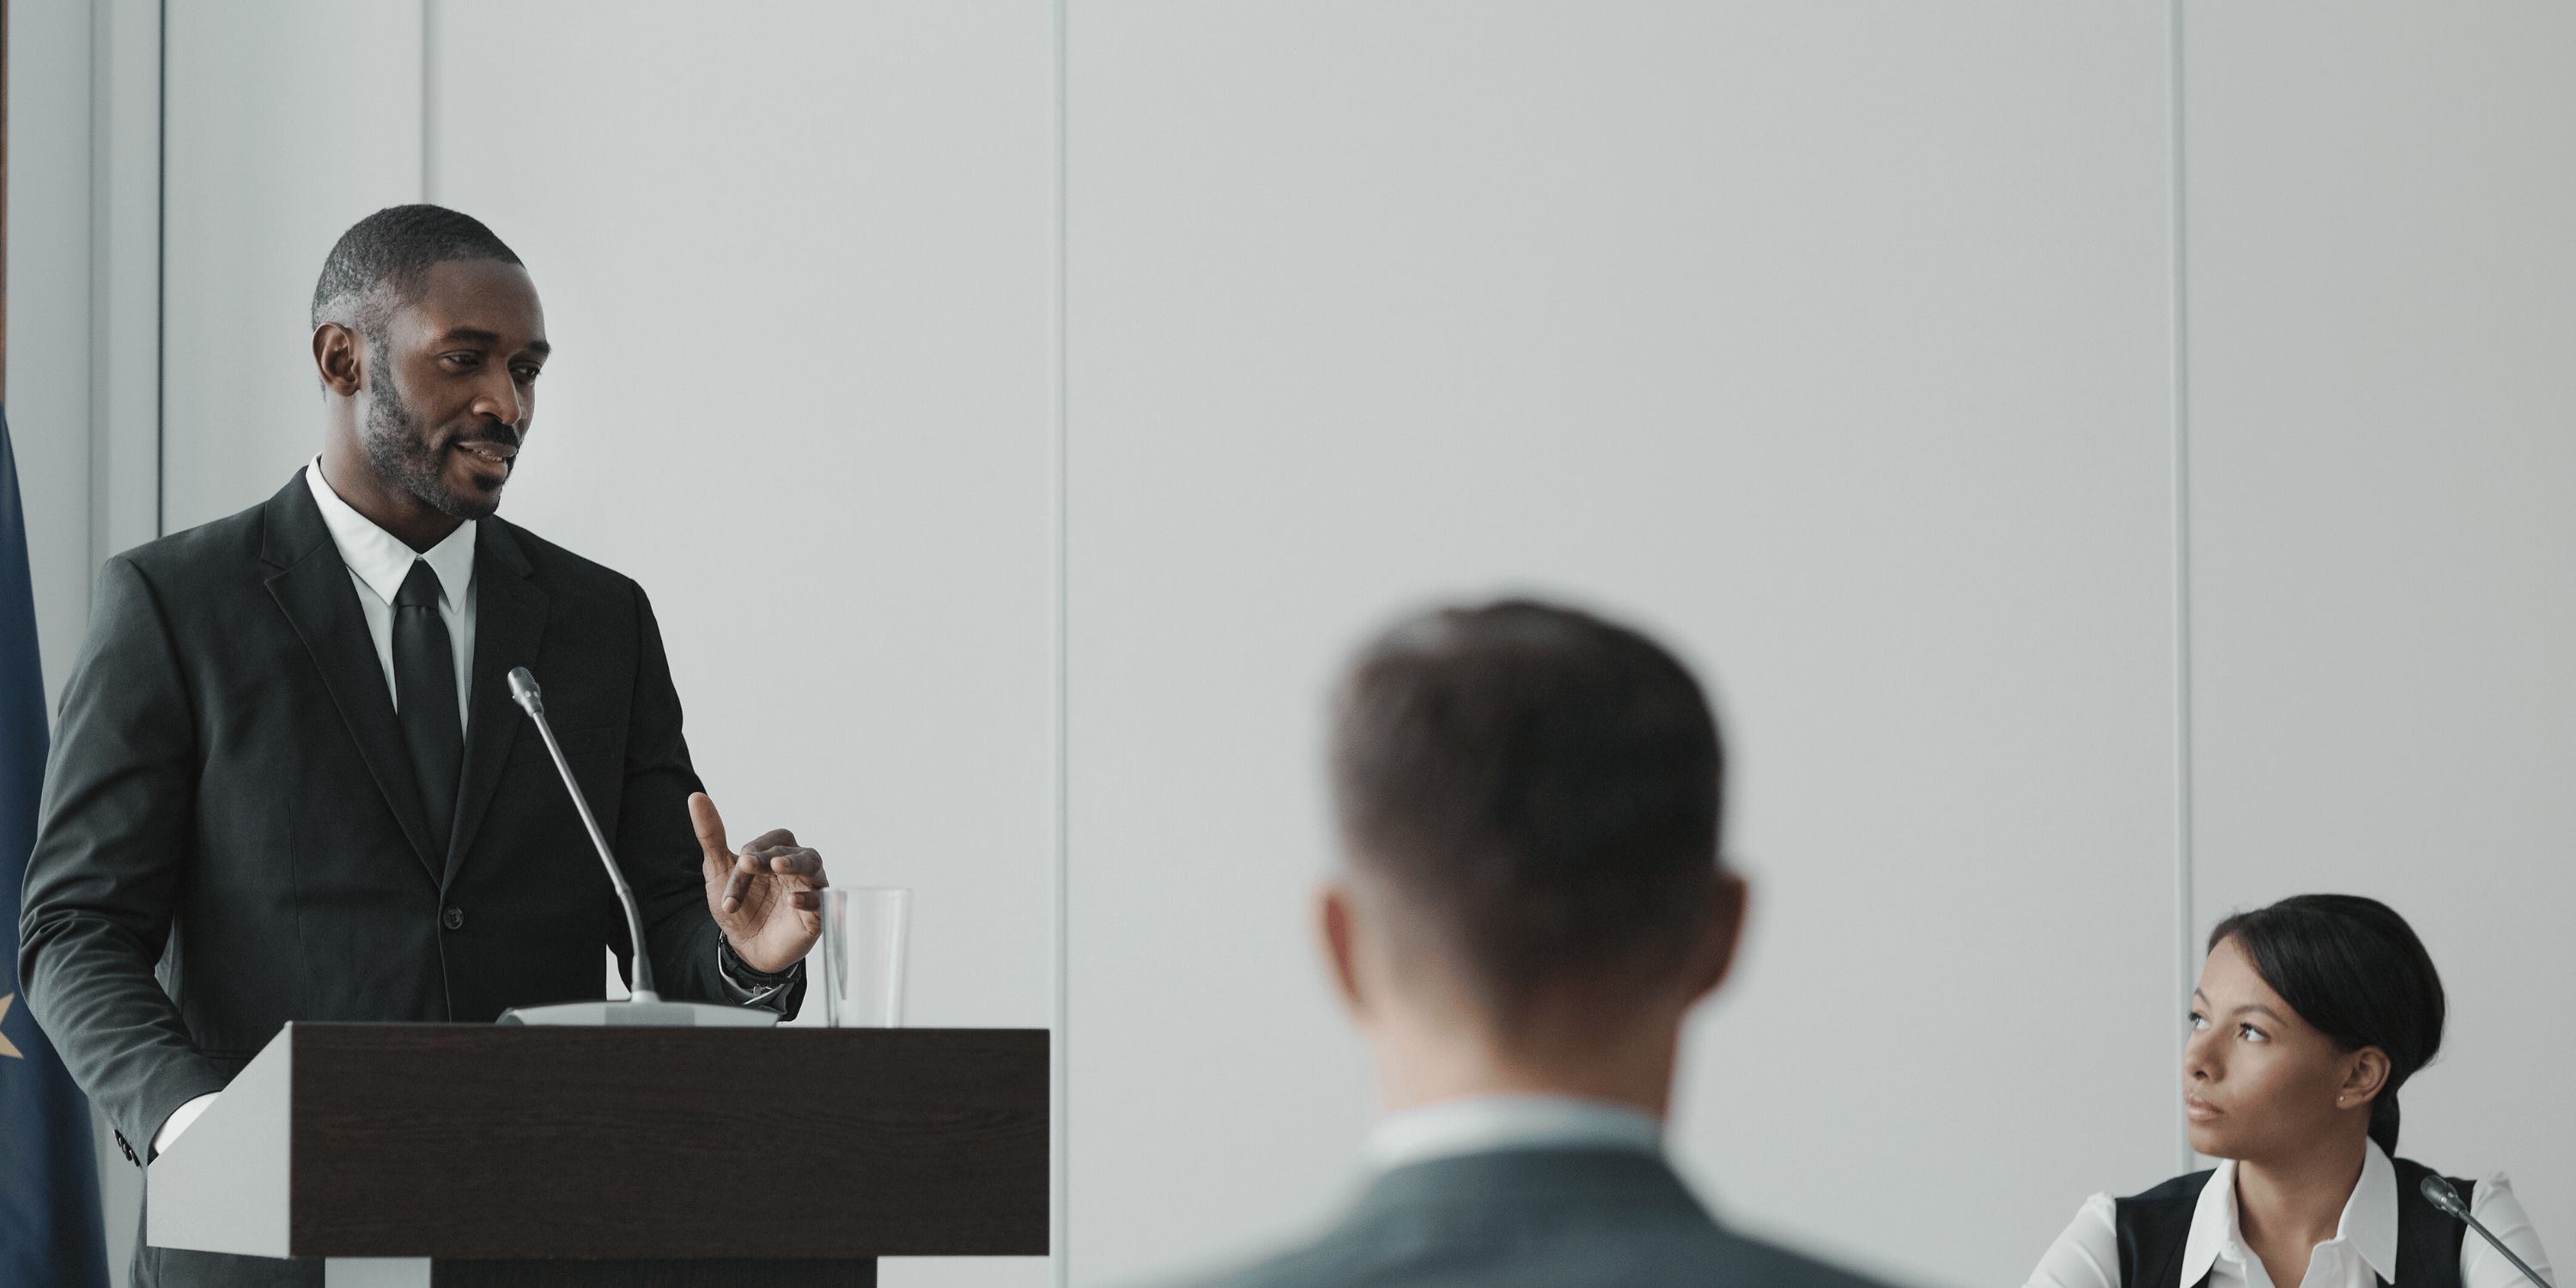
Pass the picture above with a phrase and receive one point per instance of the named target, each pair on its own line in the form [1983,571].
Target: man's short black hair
[1542,790]
[378,264]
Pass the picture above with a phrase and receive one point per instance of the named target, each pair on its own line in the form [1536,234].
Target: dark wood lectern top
[470,1142]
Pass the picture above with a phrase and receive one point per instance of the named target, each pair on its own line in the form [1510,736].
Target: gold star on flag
[6,1049]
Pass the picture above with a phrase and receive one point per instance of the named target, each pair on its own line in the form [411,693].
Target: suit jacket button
[453,919]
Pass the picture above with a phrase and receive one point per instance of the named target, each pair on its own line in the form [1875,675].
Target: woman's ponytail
[2383,1121]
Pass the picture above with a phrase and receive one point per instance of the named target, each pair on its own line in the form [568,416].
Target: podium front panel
[637,1143]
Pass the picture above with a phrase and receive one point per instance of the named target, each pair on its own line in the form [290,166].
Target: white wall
[1827,341]
[2384,456]
[289,121]
[1832,342]
[83,282]
[48,359]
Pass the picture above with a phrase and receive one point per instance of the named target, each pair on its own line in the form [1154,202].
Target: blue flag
[49,1218]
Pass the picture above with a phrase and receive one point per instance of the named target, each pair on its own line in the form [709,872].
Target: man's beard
[405,456]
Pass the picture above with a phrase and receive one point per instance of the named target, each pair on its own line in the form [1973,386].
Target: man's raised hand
[763,897]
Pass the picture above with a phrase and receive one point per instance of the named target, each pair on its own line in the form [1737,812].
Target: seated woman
[2310,1015]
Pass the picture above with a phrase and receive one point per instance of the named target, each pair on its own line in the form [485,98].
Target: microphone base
[647,1013]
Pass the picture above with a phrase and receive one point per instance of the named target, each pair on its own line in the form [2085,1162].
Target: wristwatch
[762,985]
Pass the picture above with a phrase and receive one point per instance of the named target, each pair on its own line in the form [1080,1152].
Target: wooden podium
[423,1154]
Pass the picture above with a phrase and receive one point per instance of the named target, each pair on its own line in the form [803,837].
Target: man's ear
[339,358]
[1337,932]
[1714,955]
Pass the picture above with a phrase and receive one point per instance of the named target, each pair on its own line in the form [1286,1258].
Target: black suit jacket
[1537,1218]
[231,837]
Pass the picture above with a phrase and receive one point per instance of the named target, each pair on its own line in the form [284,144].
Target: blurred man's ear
[1714,955]
[1337,931]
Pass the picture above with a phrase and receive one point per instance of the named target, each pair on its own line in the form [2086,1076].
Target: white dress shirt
[2363,1251]
[379,561]
[1484,1124]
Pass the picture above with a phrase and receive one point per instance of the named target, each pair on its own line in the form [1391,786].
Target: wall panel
[2383,301]
[1828,341]
[288,122]
[797,263]
[50,291]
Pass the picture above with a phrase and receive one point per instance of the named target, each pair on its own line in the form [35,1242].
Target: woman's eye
[2251,1033]
[2198,1021]
[527,375]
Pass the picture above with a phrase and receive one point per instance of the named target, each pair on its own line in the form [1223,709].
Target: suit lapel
[312,587]
[509,623]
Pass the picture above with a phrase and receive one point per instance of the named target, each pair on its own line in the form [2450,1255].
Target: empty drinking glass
[862,956]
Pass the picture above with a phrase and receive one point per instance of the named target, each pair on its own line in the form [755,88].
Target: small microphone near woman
[2439,1193]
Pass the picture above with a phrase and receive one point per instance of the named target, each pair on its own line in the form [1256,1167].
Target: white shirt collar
[380,559]
[2369,1221]
[1481,1124]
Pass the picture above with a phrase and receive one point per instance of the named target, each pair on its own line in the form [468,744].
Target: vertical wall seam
[102,18]
[89,404]
[161,275]
[118,256]
[428,100]
[1062,1095]
[2181,396]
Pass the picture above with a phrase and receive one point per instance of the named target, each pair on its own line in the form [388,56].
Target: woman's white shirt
[2363,1251]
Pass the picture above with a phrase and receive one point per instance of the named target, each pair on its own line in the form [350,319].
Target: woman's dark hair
[2353,969]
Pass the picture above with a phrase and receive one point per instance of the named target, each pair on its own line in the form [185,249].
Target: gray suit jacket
[1537,1218]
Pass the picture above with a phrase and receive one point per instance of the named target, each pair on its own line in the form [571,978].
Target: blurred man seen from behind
[1532,903]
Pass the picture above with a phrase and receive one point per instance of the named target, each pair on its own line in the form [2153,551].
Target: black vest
[2153,1227]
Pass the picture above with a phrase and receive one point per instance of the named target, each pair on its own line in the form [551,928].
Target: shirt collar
[2369,1221]
[1483,1124]
[380,559]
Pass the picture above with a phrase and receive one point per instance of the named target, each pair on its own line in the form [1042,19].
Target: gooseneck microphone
[531,699]
[643,1006]
[2439,1193]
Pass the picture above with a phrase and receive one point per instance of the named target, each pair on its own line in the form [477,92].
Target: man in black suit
[288,780]
[1529,802]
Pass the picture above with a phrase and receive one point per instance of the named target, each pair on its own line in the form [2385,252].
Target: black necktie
[425,697]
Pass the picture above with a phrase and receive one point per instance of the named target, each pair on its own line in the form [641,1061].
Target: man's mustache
[497,435]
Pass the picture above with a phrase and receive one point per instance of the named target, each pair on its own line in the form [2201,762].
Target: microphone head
[2439,1193]
[524,691]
